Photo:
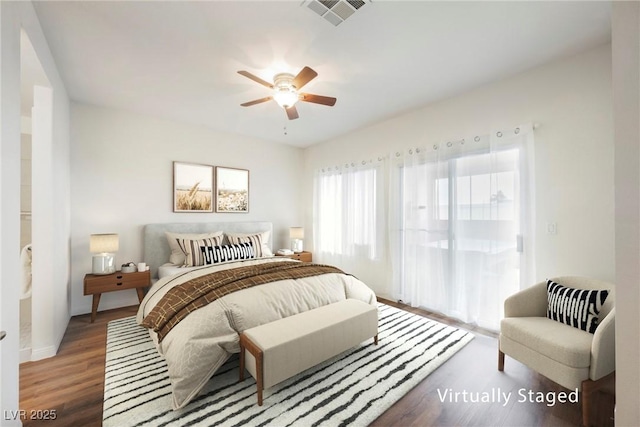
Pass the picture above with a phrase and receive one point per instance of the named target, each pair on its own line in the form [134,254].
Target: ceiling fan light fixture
[285,98]
[284,93]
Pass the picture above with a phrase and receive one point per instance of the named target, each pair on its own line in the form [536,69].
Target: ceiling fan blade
[292,113]
[304,77]
[257,101]
[255,78]
[318,99]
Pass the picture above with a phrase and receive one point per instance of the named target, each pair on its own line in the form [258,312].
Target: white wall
[122,178]
[571,100]
[626,96]
[55,311]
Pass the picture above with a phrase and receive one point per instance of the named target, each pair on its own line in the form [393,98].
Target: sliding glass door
[460,224]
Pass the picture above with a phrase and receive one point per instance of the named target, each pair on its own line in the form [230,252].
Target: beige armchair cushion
[567,345]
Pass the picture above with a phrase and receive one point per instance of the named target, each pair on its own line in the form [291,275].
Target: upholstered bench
[276,351]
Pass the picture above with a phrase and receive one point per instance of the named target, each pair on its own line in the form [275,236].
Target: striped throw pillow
[259,241]
[222,253]
[177,254]
[579,308]
[193,253]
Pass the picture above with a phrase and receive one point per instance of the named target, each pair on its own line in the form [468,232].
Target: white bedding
[169,269]
[198,345]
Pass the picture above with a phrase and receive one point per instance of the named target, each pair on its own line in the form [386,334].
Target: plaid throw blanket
[176,304]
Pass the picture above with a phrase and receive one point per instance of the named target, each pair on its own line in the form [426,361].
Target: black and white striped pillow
[222,253]
[579,308]
[258,241]
[192,252]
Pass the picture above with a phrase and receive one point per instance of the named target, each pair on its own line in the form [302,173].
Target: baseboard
[43,353]
[25,355]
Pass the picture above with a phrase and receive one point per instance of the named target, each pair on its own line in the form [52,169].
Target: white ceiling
[179,60]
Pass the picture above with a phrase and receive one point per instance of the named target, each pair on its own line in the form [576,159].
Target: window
[348,212]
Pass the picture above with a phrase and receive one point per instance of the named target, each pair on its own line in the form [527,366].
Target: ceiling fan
[286,91]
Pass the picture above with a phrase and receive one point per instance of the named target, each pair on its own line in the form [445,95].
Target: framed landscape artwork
[232,190]
[192,187]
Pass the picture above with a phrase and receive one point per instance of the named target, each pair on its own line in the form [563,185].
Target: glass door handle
[519,243]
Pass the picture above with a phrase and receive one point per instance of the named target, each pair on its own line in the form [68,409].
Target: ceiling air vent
[335,11]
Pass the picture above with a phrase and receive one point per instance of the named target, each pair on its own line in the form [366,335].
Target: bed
[202,339]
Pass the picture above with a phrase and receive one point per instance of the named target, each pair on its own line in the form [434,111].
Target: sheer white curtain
[461,216]
[349,214]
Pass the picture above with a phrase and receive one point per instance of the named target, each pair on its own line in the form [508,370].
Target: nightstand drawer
[94,284]
[300,256]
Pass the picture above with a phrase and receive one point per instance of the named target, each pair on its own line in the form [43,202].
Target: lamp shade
[296,233]
[103,243]
[286,98]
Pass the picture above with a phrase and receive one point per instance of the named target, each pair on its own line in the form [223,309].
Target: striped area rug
[353,388]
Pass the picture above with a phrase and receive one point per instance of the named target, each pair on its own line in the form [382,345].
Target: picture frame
[192,187]
[232,190]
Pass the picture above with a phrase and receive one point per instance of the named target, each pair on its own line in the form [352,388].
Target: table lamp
[103,246]
[296,234]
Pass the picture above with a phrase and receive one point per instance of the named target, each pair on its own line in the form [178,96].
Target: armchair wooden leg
[500,361]
[589,387]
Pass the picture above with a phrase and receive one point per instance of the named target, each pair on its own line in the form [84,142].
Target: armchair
[571,357]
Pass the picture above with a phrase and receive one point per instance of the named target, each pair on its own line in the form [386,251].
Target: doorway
[35,109]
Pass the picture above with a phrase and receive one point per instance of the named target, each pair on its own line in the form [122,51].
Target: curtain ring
[352,164]
[379,159]
[364,162]
[476,139]
[397,154]
[499,134]
[517,131]
[449,144]
[462,142]
[435,147]
[417,150]
[410,151]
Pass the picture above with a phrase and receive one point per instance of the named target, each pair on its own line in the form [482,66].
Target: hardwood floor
[71,384]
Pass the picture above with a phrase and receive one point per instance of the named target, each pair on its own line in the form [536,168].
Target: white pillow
[177,254]
[260,241]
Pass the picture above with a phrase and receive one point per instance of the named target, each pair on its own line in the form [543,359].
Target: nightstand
[96,285]
[300,256]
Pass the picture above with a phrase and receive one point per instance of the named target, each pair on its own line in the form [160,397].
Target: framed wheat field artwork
[192,187]
[232,190]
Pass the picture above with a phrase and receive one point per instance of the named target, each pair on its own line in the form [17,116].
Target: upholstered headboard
[156,248]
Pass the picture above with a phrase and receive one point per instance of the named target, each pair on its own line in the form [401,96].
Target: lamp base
[103,264]
[296,245]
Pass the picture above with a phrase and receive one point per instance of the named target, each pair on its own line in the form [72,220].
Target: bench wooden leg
[259,380]
[500,361]
[247,345]
[375,339]
[241,358]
